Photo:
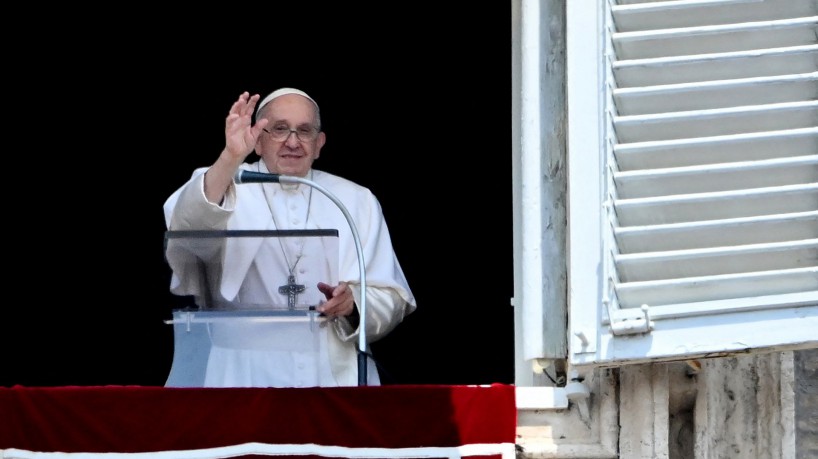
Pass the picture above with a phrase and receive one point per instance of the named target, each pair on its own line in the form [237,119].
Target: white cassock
[253,270]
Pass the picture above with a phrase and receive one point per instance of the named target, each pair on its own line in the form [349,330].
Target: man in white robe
[287,136]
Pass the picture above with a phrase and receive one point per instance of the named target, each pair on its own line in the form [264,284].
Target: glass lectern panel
[250,292]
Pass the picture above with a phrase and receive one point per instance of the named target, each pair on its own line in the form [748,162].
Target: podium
[253,295]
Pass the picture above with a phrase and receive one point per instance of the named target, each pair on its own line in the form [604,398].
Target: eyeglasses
[282,132]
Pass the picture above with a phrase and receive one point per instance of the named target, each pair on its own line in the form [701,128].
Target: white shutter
[707,178]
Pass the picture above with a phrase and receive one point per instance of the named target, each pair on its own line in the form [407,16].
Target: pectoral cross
[291,289]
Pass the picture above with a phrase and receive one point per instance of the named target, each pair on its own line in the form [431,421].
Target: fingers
[241,112]
[244,106]
[326,289]
[251,104]
[340,301]
[240,133]
[238,107]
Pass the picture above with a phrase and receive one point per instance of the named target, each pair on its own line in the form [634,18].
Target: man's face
[291,140]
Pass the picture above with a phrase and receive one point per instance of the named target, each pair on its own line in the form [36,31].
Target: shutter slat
[718,66]
[717,294]
[718,233]
[679,264]
[715,94]
[715,39]
[717,177]
[717,206]
[675,14]
[716,122]
[716,149]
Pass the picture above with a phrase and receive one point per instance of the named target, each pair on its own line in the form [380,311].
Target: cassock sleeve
[188,209]
[388,297]
[385,309]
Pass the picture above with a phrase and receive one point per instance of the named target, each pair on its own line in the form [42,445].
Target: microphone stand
[243,176]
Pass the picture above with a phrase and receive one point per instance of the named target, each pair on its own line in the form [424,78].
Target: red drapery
[137,419]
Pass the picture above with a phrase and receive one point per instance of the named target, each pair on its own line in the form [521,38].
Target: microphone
[243,176]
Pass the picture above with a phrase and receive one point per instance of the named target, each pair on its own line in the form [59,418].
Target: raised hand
[240,136]
[239,132]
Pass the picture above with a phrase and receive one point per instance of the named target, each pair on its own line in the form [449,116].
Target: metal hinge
[632,321]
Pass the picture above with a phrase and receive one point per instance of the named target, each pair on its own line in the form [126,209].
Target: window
[693,179]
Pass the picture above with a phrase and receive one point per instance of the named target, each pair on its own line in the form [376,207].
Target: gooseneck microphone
[245,176]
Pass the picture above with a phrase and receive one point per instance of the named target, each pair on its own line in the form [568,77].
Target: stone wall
[806,403]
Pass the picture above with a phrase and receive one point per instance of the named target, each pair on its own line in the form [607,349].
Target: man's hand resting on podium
[340,302]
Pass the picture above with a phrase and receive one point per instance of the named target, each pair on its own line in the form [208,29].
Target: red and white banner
[194,423]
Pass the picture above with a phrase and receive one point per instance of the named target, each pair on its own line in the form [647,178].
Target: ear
[322,139]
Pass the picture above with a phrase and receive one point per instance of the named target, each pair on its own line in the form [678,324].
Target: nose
[292,139]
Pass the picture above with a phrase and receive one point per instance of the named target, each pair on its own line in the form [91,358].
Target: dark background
[416,106]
